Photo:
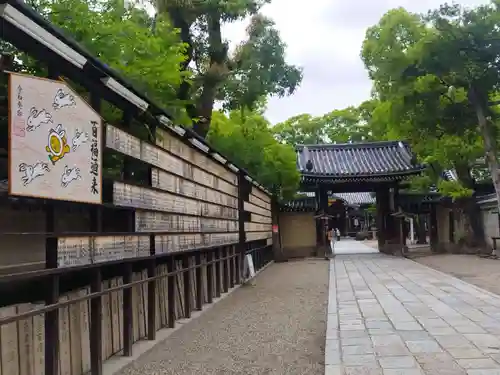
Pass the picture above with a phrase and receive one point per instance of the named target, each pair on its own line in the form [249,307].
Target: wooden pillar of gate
[322,222]
[421,232]
[382,204]
[433,228]
[276,237]
[399,225]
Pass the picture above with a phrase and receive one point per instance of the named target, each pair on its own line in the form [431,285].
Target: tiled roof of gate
[306,204]
[349,198]
[367,159]
[356,199]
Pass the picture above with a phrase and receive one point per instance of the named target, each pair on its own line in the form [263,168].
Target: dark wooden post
[210,276]
[187,285]
[152,289]
[127,273]
[237,272]
[278,254]
[232,262]
[382,196]
[52,290]
[421,232]
[128,319]
[225,270]
[391,223]
[96,324]
[433,228]
[323,207]
[199,282]
[152,284]
[242,195]
[399,223]
[96,225]
[218,272]
[51,294]
[171,268]
[255,257]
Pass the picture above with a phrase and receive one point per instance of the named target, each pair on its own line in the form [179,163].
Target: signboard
[275,229]
[249,269]
[55,137]
[331,201]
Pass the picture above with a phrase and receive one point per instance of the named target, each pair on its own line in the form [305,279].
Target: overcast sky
[324,38]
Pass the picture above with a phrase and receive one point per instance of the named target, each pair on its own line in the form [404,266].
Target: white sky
[324,37]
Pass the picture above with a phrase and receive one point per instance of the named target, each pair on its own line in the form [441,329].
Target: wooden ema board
[260,225]
[76,251]
[192,196]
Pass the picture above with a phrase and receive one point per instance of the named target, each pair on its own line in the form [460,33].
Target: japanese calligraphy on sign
[55,142]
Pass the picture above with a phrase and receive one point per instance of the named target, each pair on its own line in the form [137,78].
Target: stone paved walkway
[349,246]
[392,316]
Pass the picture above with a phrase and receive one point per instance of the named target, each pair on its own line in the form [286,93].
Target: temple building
[339,179]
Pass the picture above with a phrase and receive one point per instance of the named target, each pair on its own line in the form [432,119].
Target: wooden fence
[84,282]
[96,321]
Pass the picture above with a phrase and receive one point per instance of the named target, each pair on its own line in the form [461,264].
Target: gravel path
[275,327]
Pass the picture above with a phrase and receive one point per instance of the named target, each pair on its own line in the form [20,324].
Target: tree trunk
[421,232]
[488,139]
[471,208]
[179,21]
[217,51]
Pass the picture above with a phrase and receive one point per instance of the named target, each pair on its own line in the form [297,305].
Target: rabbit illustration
[79,139]
[62,100]
[37,118]
[69,175]
[33,171]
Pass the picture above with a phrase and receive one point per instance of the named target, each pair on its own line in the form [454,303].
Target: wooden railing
[125,303]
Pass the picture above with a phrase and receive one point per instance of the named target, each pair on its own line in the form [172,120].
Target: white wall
[490,222]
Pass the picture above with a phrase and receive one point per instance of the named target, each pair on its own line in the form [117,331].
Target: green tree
[248,141]
[301,129]
[149,52]
[462,57]
[423,71]
[146,50]
[257,68]
[338,126]
[349,125]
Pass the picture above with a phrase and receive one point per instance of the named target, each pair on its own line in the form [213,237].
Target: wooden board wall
[259,227]
[192,204]
[193,197]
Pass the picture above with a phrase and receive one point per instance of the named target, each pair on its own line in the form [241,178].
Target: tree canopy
[238,79]
[338,126]
[179,59]
[424,68]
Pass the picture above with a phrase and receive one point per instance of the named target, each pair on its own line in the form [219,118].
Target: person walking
[337,232]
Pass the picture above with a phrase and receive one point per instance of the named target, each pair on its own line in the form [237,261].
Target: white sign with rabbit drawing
[55,142]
